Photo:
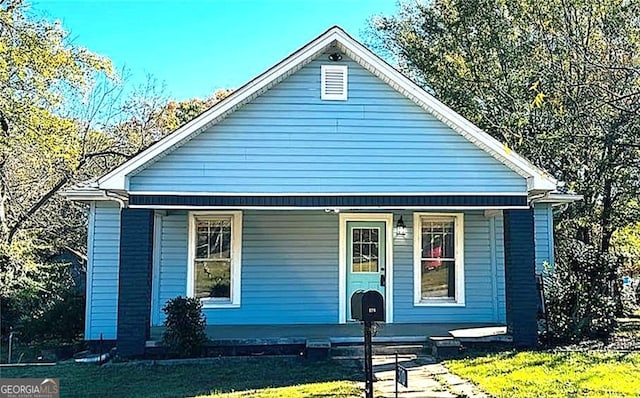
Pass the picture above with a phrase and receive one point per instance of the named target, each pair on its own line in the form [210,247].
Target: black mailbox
[367,306]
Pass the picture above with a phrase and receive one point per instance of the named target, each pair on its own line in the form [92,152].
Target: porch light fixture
[401,228]
[335,57]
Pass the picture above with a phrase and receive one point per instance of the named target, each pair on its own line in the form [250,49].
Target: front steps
[357,351]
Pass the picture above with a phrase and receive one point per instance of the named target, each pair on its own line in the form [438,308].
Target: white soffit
[537,179]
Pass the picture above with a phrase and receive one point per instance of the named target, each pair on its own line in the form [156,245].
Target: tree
[558,81]
[62,120]
[40,148]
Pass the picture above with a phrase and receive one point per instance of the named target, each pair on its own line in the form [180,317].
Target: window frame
[236,257]
[459,299]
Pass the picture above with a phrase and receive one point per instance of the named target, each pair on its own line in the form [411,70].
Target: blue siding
[289,140]
[290,270]
[172,276]
[482,305]
[102,272]
[543,223]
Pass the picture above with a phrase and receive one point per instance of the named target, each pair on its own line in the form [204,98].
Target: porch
[289,274]
[337,334]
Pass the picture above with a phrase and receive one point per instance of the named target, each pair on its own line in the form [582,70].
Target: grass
[553,374]
[228,377]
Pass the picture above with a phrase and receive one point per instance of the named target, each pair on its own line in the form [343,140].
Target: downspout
[116,197]
[536,198]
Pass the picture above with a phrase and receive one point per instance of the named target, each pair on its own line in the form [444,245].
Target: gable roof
[537,179]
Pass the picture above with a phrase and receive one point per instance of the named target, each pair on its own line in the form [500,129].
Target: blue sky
[196,47]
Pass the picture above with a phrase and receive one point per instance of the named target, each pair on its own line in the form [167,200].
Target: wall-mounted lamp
[334,211]
[335,57]
[401,228]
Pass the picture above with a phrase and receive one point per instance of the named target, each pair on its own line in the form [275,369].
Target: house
[328,173]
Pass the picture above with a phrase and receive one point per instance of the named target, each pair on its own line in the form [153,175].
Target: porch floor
[236,335]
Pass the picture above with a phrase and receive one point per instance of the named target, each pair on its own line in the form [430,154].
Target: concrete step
[357,351]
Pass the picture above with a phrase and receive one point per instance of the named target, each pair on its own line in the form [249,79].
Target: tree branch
[35,207]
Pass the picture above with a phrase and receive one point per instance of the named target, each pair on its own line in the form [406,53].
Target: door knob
[382,280]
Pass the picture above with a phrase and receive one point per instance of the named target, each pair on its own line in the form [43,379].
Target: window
[333,82]
[214,254]
[438,259]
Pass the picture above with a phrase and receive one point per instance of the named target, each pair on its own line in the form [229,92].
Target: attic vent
[333,82]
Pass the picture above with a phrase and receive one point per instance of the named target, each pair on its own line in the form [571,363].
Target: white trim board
[537,179]
[387,218]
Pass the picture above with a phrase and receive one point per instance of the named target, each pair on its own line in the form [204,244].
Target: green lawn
[549,374]
[228,377]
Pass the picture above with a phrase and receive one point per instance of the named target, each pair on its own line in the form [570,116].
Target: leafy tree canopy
[558,81]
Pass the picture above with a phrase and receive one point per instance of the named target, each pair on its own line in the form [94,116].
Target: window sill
[436,303]
[211,305]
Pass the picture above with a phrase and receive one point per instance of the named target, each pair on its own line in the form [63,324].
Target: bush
[184,333]
[581,293]
[63,320]
[51,309]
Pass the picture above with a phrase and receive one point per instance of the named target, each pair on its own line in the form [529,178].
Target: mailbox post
[368,307]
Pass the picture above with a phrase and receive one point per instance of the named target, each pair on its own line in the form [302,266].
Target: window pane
[213,279]
[449,246]
[220,239]
[202,247]
[364,250]
[438,239]
[438,279]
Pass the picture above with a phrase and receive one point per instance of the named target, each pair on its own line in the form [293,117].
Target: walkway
[427,379]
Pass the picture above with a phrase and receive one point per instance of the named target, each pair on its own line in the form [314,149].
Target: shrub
[581,293]
[62,321]
[184,333]
[50,308]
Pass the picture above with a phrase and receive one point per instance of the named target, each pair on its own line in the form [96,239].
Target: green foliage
[629,300]
[45,305]
[62,120]
[185,325]
[581,293]
[626,244]
[41,147]
[553,374]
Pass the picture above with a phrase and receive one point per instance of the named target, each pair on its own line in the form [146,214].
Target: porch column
[134,281]
[521,294]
